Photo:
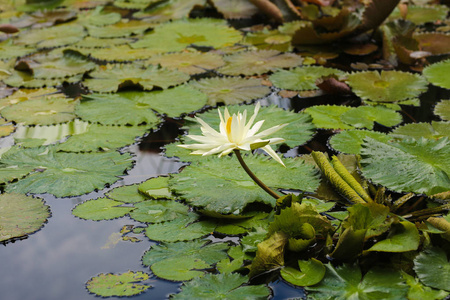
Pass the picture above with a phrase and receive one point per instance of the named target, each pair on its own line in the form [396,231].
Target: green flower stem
[253,176]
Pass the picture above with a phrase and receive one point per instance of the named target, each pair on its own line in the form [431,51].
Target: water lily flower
[235,134]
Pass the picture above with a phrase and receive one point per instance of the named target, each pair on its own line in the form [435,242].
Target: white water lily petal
[272,153]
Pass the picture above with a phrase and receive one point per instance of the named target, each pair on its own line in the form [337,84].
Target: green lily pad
[120,285]
[298,131]
[100,209]
[420,14]
[269,40]
[124,28]
[98,17]
[188,62]
[62,174]
[123,108]
[350,141]
[21,95]
[157,211]
[328,116]
[200,184]
[180,229]
[402,237]
[311,272]
[365,116]
[41,111]
[433,268]
[177,35]
[387,86]
[225,286]
[126,194]
[21,215]
[436,74]
[56,36]
[110,78]
[9,50]
[92,42]
[418,291]
[301,78]
[156,188]
[419,166]
[442,109]
[435,130]
[119,53]
[347,282]
[234,225]
[26,80]
[101,137]
[231,90]
[258,62]
[176,270]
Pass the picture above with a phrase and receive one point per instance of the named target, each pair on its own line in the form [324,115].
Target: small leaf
[270,254]
[436,74]
[442,109]
[402,237]
[126,194]
[311,272]
[156,188]
[100,209]
[125,284]
[301,78]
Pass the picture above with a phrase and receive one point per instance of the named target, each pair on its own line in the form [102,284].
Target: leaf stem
[253,176]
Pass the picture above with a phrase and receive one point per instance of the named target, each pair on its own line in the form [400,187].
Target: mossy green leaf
[242,225]
[311,272]
[21,215]
[120,53]
[100,209]
[157,211]
[221,286]
[231,90]
[365,116]
[328,116]
[432,266]
[437,74]
[350,141]
[301,78]
[98,17]
[92,42]
[119,285]
[442,109]
[269,40]
[387,86]
[126,194]
[419,166]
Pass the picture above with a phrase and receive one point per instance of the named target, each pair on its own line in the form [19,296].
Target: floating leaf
[418,166]
[179,270]
[41,111]
[231,90]
[92,42]
[118,109]
[110,78]
[63,174]
[5,128]
[9,51]
[126,194]
[328,116]
[346,282]
[157,211]
[418,291]
[101,137]
[26,80]
[301,78]
[26,94]
[422,14]
[188,62]
[21,215]
[349,141]
[433,42]
[433,268]
[402,237]
[168,10]
[387,86]
[442,109]
[235,9]
[100,209]
[56,36]
[437,74]
[156,188]
[98,17]
[258,62]
[311,272]
[200,184]
[119,53]
[180,229]
[177,35]
[298,131]
[269,40]
[270,254]
[365,116]
[225,286]
[435,130]
[121,29]
[125,284]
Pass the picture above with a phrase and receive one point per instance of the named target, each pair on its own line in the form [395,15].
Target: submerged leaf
[21,215]
[157,211]
[125,284]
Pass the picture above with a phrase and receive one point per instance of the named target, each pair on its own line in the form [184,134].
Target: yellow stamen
[229,125]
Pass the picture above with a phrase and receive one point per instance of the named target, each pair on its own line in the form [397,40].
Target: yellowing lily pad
[420,14]
[120,285]
[301,78]
[124,28]
[231,90]
[56,36]
[258,62]
[5,128]
[163,11]
[9,50]
[26,80]
[21,215]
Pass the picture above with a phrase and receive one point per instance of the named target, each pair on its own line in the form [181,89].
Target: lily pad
[163,11]
[9,50]
[365,116]
[436,74]
[231,90]
[311,272]
[126,194]
[100,209]
[200,184]
[301,78]
[433,268]
[98,17]
[258,62]
[420,14]
[402,237]
[442,109]
[123,108]
[27,80]
[177,35]
[156,188]
[419,166]
[119,53]
[63,174]
[225,286]
[21,215]
[158,211]
[5,128]
[350,141]
[124,28]
[328,116]
[188,62]
[26,94]
[435,130]
[92,42]
[235,9]
[176,270]
[110,78]
[125,284]
[269,40]
[56,36]
[387,86]
[41,111]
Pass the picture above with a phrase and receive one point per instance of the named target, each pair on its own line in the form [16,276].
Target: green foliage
[21,215]
[436,74]
[402,237]
[349,141]
[433,268]
[126,194]
[188,62]
[328,116]
[100,209]
[311,272]
[270,254]
[56,36]
[157,211]
[156,188]
[301,78]
[435,130]
[442,109]
[125,284]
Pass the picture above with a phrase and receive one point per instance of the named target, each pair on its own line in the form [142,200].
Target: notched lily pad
[442,109]
[9,50]
[119,285]
[127,194]
[435,130]
[156,188]
[328,116]
[158,211]
[21,215]
[437,74]
[349,141]
[433,268]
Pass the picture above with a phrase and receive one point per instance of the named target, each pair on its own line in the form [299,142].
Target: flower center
[228,127]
